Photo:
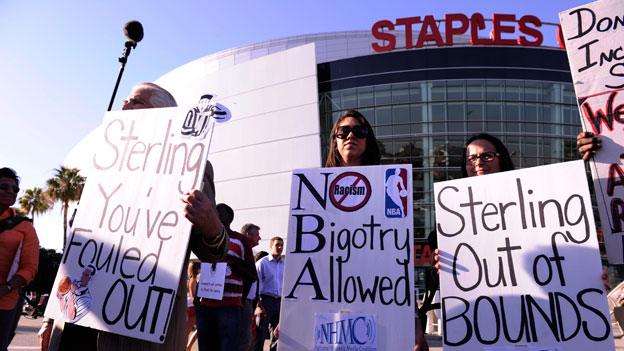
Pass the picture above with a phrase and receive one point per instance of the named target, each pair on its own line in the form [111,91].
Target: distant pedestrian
[19,255]
[252,232]
[193,271]
[270,277]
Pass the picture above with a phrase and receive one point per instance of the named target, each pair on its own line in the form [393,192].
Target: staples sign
[506,29]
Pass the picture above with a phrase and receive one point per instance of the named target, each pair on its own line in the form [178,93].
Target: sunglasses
[484,157]
[359,132]
[6,187]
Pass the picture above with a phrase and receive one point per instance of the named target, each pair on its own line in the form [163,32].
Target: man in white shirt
[270,278]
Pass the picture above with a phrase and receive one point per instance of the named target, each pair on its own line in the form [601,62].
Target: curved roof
[331,46]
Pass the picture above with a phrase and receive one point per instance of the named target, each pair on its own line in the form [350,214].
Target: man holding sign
[208,238]
[114,300]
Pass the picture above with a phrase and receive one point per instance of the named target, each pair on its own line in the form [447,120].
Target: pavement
[26,335]
[26,338]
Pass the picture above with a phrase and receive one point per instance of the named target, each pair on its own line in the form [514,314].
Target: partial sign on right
[594,34]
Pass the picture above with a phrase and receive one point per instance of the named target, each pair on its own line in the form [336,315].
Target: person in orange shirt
[19,255]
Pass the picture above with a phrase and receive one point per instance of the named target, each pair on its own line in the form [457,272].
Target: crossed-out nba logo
[396,193]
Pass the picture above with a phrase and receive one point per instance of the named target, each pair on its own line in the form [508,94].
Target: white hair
[160,96]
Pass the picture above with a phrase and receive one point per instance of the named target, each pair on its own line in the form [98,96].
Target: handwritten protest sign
[349,255]
[593,38]
[123,260]
[521,265]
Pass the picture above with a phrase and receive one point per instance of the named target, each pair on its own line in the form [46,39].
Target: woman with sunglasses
[353,143]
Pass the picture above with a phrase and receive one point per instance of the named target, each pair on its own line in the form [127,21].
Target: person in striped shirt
[219,321]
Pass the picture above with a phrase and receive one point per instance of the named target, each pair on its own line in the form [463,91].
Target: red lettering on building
[531,31]
[477,23]
[451,30]
[423,255]
[408,22]
[380,34]
[506,29]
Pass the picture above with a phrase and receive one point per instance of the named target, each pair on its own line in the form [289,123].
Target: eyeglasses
[360,132]
[6,187]
[484,157]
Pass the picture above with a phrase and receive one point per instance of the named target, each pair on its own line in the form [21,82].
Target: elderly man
[209,239]
[148,95]
[19,255]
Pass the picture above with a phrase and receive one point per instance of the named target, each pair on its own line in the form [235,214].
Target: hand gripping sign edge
[337,202]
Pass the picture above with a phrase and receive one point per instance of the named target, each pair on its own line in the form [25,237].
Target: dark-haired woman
[483,154]
[353,143]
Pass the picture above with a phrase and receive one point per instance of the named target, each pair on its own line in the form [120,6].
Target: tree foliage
[34,202]
[65,187]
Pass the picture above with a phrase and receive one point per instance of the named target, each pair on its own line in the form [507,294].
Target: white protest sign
[521,265]
[129,238]
[349,253]
[593,37]
[212,280]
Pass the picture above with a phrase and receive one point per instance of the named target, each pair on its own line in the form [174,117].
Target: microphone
[133,30]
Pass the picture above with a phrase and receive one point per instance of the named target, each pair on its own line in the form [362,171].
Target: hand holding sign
[588,144]
[201,211]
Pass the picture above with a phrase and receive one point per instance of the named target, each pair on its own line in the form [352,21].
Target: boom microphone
[133,31]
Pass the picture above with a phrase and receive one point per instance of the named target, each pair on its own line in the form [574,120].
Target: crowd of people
[248,313]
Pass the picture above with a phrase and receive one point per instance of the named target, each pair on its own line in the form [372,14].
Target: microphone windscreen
[133,30]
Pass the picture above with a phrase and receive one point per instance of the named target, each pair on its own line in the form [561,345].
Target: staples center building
[425,85]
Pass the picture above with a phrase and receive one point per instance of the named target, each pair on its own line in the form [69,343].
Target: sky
[59,59]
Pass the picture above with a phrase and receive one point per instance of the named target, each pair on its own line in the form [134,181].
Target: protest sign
[212,280]
[593,37]
[520,262]
[349,277]
[124,255]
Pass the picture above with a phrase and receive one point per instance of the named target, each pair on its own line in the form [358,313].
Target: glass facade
[426,123]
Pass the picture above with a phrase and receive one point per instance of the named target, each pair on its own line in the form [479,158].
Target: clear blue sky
[59,58]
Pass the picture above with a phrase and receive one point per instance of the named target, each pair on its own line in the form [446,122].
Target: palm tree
[34,202]
[65,187]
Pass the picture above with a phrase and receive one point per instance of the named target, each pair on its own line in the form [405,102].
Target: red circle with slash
[350,191]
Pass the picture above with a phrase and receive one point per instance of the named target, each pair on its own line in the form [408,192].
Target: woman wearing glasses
[353,143]
[485,154]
